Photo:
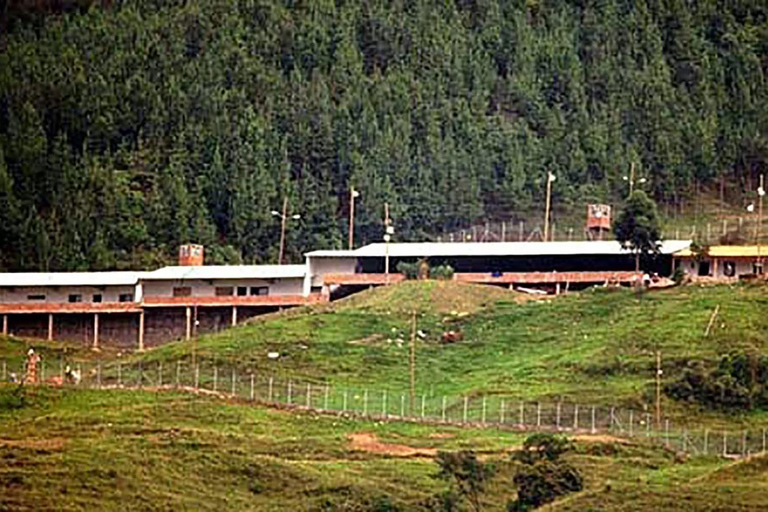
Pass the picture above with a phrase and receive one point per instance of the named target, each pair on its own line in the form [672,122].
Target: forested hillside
[130,127]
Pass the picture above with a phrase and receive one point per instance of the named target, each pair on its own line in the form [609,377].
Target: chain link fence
[478,411]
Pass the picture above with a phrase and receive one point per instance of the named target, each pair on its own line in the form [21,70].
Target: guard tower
[598,220]
[191,255]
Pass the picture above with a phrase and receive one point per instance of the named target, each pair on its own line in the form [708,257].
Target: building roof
[727,251]
[459,249]
[226,272]
[69,278]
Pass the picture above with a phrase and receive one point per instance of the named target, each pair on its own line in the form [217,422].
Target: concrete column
[557,289]
[5,325]
[141,331]
[95,330]
[188,334]
[234,316]
[50,326]
[714,267]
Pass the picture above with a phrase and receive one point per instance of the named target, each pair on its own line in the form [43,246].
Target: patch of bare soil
[599,438]
[367,442]
[441,435]
[52,444]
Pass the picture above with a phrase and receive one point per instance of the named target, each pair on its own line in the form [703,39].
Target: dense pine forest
[127,128]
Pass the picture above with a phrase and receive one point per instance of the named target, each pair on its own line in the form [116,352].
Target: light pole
[353,194]
[631,179]
[388,232]
[759,228]
[550,179]
[283,219]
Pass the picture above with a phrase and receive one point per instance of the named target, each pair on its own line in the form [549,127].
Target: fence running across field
[477,411]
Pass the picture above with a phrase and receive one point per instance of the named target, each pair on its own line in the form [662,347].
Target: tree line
[129,127]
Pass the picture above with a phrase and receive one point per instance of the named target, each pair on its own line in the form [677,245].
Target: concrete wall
[61,293]
[115,329]
[717,266]
[320,266]
[207,288]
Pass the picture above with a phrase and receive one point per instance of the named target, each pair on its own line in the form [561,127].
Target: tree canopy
[129,127]
[638,226]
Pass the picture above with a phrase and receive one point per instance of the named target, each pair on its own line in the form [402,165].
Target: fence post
[538,415]
[215,378]
[178,373]
[631,421]
[325,401]
[271,382]
[666,432]
[197,377]
[725,443]
[522,415]
[402,406]
[365,402]
[744,444]
[557,416]
[423,400]
[309,395]
[252,390]
[159,374]
[501,412]
[576,417]
[706,441]
[443,408]
[483,416]
[384,404]
[344,402]
[593,420]
[466,403]
[290,390]
[234,382]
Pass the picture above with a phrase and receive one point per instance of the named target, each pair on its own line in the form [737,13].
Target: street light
[631,179]
[283,219]
[353,194]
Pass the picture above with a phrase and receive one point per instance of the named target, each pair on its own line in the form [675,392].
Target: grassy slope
[593,347]
[118,450]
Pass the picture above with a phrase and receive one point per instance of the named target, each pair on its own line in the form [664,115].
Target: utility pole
[631,178]
[387,237]
[353,194]
[550,179]
[282,230]
[760,194]
[412,363]
[283,220]
[658,389]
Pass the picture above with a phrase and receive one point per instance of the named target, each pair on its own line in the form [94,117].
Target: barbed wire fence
[476,411]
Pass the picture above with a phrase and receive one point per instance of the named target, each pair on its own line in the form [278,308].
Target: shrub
[543,477]
[740,381]
[409,270]
[444,272]
[466,475]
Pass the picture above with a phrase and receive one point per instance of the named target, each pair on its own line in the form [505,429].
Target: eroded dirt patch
[56,443]
[368,442]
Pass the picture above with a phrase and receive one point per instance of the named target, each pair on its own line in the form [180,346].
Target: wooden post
[95,330]
[521,227]
[188,334]
[282,230]
[658,389]
[546,207]
[141,331]
[5,325]
[503,231]
[412,363]
[234,316]
[50,326]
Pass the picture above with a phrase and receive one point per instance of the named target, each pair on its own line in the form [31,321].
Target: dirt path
[367,442]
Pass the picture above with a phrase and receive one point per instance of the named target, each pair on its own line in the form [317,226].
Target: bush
[467,477]
[543,477]
[740,381]
[409,270]
[444,272]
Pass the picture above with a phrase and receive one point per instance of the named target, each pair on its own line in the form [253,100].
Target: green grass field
[83,449]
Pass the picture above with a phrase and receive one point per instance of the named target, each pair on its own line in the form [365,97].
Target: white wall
[321,266]
[743,266]
[62,293]
[207,288]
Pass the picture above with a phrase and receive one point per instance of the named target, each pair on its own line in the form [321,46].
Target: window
[242,291]
[729,268]
[182,291]
[97,297]
[75,297]
[126,297]
[259,290]
[35,297]
[223,291]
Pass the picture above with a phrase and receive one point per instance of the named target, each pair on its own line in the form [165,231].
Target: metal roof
[226,272]
[70,278]
[457,249]
[727,251]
